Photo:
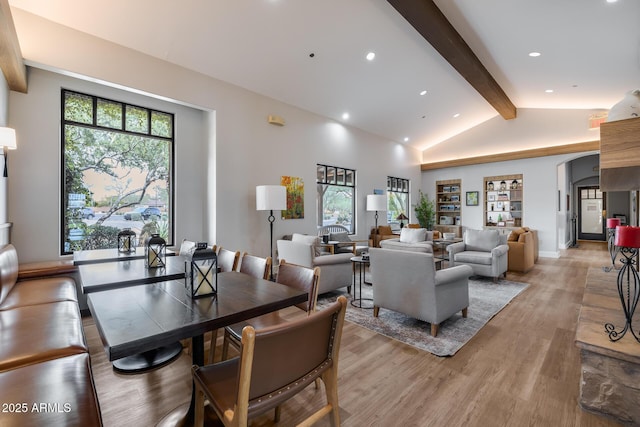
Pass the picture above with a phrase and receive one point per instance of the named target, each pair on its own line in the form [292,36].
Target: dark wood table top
[119,274]
[140,318]
[95,256]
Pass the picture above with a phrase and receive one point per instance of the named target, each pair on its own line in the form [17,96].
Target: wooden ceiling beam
[431,23]
[11,61]
[556,150]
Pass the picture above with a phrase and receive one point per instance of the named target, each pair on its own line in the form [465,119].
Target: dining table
[131,320]
[103,276]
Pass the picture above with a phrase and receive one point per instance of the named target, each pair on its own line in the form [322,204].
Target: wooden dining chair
[227,260]
[295,276]
[275,364]
[253,266]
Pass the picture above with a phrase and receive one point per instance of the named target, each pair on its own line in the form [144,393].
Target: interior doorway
[591,205]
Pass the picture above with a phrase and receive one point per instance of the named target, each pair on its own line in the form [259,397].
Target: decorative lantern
[628,242]
[612,223]
[201,272]
[155,250]
[127,241]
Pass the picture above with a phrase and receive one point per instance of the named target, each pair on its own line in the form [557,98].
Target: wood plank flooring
[522,369]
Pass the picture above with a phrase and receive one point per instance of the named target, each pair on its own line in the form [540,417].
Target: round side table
[361,264]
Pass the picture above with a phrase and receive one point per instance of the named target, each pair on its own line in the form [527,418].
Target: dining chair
[292,275]
[275,363]
[227,260]
[253,266]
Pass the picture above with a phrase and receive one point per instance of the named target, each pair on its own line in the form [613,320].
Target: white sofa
[336,270]
[411,239]
[407,282]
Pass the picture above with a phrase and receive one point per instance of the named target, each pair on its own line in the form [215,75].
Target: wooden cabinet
[448,202]
[503,201]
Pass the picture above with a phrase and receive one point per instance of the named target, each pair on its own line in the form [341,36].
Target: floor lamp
[376,202]
[270,198]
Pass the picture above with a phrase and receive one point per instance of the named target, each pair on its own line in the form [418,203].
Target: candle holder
[155,251]
[627,239]
[201,272]
[612,223]
[127,241]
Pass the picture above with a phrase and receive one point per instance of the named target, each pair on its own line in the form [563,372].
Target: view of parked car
[142,212]
[87,213]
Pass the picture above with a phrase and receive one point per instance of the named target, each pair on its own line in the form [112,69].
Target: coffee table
[361,263]
[440,249]
[140,318]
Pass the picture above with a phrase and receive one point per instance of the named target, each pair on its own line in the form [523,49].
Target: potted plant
[425,211]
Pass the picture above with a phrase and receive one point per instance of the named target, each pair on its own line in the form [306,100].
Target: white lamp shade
[376,202]
[8,138]
[271,197]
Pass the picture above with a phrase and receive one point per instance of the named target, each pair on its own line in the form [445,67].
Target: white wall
[231,150]
[540,196]
[35,167]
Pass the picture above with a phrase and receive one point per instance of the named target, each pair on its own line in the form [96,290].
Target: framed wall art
[472,198]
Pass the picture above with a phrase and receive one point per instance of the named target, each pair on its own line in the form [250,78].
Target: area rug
[486,299]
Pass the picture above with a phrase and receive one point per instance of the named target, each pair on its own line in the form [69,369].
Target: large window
[336,196]
[117,172]
[397,200]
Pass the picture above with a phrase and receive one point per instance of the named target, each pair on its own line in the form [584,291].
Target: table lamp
[401,218]
[270,198]
[628,241]
[7,141]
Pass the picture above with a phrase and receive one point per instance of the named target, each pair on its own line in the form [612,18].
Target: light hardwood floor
[522,369]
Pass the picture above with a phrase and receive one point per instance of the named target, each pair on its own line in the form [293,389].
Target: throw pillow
[413,235]
[515,234]
[308,240]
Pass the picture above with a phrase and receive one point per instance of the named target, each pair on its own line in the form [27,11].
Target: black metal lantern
[127,241]
[155,250]
[201,272]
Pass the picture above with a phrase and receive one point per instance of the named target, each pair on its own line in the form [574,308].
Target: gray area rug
[486,299]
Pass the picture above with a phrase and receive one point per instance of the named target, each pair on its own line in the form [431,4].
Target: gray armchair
[485,251]
[407,282]
[336,270]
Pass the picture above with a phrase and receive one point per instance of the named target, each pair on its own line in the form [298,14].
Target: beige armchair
[485,251]
[407,282]
[336,270]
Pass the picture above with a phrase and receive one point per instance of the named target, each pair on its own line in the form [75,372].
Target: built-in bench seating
[45,368]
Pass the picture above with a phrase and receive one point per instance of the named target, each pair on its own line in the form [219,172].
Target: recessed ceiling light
[456,115]
[549,91]
[611,1]
[423,93]
[345,116]
[370,56]
[534,54]
[406,139]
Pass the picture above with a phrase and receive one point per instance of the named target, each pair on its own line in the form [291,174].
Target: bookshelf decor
[448,202]
[503,201]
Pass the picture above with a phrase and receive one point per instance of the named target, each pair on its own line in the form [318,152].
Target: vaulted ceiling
[312,54]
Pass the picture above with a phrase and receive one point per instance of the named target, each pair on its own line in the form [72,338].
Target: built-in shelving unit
[448,202]
[503,201]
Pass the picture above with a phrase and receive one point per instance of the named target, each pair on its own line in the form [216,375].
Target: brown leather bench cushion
[40,291]
[40,332]
[46,268]
[62,391]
